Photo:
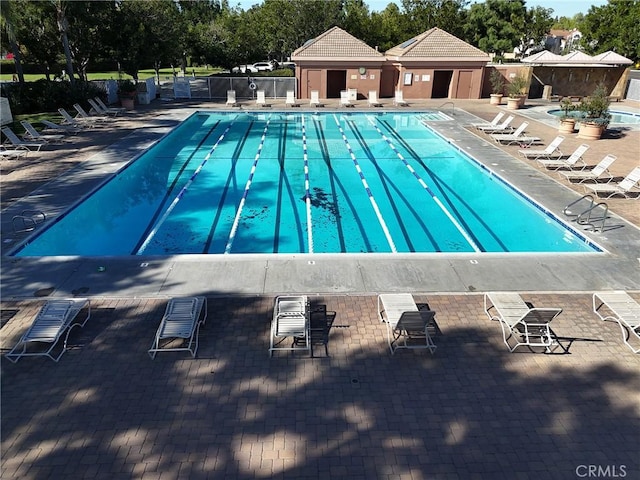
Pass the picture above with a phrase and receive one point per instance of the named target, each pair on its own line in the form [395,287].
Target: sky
[561,8]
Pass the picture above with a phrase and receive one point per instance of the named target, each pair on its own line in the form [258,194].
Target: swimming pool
[617,117]
[246,182]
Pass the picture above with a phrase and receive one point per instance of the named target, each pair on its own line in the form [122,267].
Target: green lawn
[142,75]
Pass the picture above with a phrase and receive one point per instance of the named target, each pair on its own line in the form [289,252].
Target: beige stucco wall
[312,75]
[424,73]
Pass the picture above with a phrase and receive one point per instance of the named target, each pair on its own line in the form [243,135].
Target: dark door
[336,81]
[441,83]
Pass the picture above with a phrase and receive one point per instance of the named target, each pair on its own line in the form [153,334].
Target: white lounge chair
[290,320]
[18,143]
[231,98]
[527,326]
[107,108]
[31,134]
[399,100]
[315,99]
[407,327]
[574,160]
[492,123]
[626,187]
[504,127]
[619,307]
[75,122]
[64,129]
[600,171]
[82,114]
[181,322]
[373,99]
[54,320]
[12,153]
[552,150]
[261,100]
[98,110]
[291,99]
[515,137]
[344,99]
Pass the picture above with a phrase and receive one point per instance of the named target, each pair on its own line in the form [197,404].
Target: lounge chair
[492,123]
[373,99]
[31,134]
[398,99]
[75,122]
[315,99]
[54,320]
[181,322]
[504,127]
[18,143]
[231,98]
[515,137]
[344,99]
[407,327]
[619,307]
[98,110]
[574,160]
[12,153]
[291,99]
[64,129]
[600,171]
[527,326]
[107,108]
[624,188]
[290,320]
[261,100]
[82,114]
[552,150]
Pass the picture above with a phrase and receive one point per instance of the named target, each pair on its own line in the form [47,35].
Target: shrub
[46,96]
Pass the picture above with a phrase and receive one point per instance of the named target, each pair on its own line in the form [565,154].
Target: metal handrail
[569,213]
[581,220]
[453,107]
[30,219]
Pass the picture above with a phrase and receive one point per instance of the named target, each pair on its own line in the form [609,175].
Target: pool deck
[470,411]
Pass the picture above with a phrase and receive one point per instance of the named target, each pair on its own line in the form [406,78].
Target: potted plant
[516,90]
[127,91]
[596,114]
[567,122]
[497,87]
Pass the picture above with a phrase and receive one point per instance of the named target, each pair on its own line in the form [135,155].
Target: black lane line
[385,180]
[439,182]
[161,207]
[234,160]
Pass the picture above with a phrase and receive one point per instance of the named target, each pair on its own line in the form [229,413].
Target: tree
[388,27]
[496,25]
[613,27]
[63,26]
[8,12]
[421,15]
[537,23]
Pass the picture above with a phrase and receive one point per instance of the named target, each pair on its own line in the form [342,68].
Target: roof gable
[612,58]
[436,43]
[336,43]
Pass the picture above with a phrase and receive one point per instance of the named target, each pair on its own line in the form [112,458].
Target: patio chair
[107,108]
[181,322]
[291,99]
[315,99]
[407,327]
[504,127]
[492,123]
[78,123]
[398,99]
[261,100]
[527,326]
[32,134]
[290,320]
[99,111]
[82,114]
[373,99]
[552,150]
[344,99]
[619,307]
[55,319]
[574,160]
[231,98]
[626,187]
[515,137]
[17,143]
[600,171]
[64,129]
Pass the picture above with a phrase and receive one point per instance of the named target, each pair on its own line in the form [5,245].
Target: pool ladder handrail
[453,107]
[30,220]
[584,217]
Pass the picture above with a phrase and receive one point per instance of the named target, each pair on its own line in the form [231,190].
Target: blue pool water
[242,182]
